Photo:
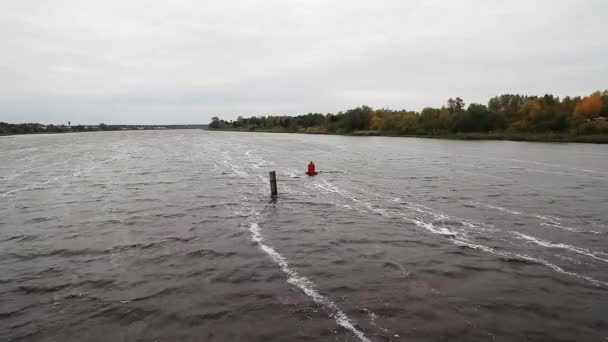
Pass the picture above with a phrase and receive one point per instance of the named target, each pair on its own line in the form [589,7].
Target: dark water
[170,236]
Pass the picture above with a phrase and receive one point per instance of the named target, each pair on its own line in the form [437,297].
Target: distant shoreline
[528,137]
[540,137]
[513,117]
[37,128]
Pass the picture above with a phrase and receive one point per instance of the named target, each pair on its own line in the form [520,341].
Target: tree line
[509,113]
[32,128]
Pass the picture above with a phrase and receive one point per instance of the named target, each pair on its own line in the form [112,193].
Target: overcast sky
[183,61]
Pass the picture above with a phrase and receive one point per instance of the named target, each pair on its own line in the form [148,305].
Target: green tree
[215,123]
[429,121]
[455,105]
[357,119]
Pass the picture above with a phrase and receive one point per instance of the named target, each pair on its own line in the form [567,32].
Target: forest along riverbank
[171,235]
[506,117]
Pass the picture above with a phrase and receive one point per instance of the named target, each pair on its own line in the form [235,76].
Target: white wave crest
[549,244]
[459,237]
[504,210]
[305,284]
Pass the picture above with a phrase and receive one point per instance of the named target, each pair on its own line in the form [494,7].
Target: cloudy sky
[183,61]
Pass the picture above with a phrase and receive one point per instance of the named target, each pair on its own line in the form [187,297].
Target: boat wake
[305,284]
[428,219]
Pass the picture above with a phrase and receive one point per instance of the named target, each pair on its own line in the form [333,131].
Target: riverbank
[37,133]
[37,128]
[531,137]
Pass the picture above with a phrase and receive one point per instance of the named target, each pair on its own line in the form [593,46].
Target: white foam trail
[362,207]
[569,259]
[379,211]
[431,228]
[426,210]
[549,244]
[255,160]
[291,174]
[76,172]
[326,186]
[504,210]
[33,186]
[94,166]
[529,258]
[547,218]
[372,320]
[561,270]
[474,246]
[35,168]
[592,171]
[574,230]
[552,221]
[460,238]
[548,221]
[305,284]
[235,170]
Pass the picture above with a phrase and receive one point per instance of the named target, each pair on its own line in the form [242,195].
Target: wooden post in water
[273,183]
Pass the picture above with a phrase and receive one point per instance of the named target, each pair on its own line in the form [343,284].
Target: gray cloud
[184,61]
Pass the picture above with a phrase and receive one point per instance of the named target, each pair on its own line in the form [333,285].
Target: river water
[172,236]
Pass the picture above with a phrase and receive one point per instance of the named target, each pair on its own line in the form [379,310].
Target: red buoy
[311,169]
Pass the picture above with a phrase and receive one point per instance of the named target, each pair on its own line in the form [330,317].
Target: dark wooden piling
[273,183]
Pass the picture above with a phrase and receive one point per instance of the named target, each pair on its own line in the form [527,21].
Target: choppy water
[166,236]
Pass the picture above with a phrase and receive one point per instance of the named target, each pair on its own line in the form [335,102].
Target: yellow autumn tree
[377,119]
[445,116]
[589,107]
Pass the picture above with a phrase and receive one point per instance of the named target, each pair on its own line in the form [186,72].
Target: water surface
[171,235]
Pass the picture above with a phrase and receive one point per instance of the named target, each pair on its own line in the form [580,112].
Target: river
[172,236]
